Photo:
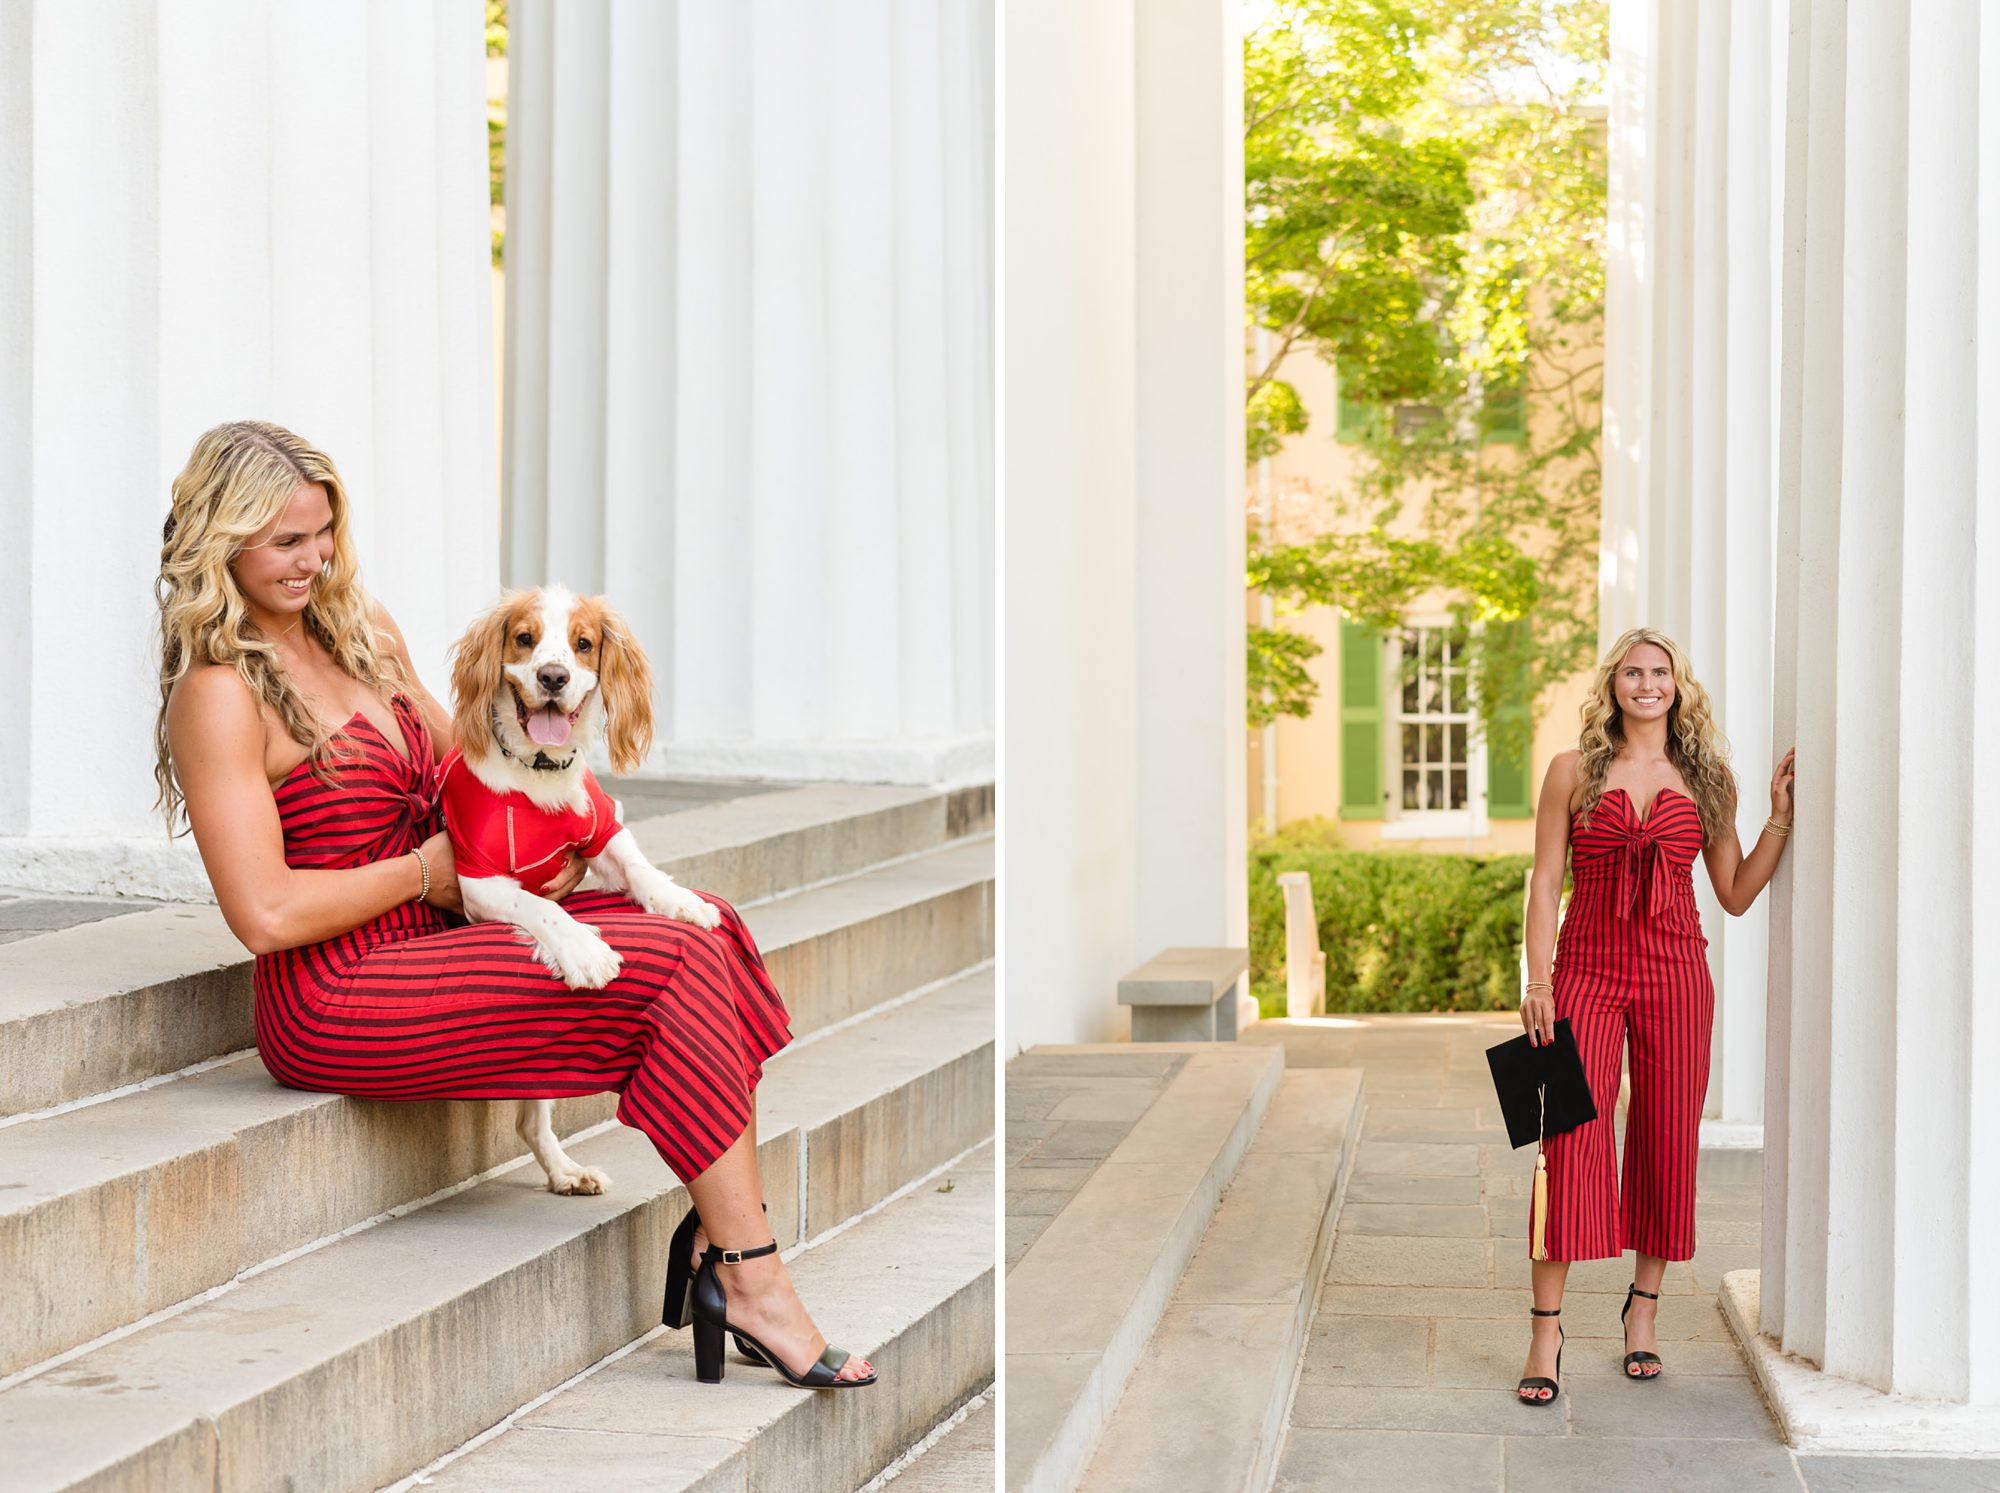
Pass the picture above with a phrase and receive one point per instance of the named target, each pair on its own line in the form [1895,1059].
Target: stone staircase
[1156,1322]
[208,1281]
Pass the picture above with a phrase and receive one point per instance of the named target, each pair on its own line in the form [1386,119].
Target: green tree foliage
[1425,199]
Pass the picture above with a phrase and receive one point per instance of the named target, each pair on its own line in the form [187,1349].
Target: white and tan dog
[534,682]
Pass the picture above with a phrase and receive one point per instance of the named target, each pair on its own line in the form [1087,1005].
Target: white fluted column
[1737,555]
[1688,503]
[207,213]
[750,247]
[1873,1321]
[1935,1253]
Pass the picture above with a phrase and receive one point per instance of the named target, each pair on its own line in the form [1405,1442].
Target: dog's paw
[584,961]
[670,899]
[579,1181]
[701,914]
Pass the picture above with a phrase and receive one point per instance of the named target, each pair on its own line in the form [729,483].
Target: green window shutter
[1352,423]
[1505,414]
[1510,786]
[1360,722]
[1353,419]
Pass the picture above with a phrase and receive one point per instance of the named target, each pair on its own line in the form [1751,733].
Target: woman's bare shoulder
[211,702]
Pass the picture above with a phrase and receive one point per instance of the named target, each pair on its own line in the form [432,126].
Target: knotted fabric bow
[421,796]
[1639,874]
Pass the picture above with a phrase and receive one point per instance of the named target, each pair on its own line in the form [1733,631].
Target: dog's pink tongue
[548,727]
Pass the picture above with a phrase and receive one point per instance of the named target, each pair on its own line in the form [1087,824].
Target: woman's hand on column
[444,892]
[1538,1017]
[1781,789]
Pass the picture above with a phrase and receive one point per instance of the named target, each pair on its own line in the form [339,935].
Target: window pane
[1458,756]
[1458,787]
[1435,775]
[1433,743]
[1448,691]
[1411,791]
[1409,694]
[1427,694]
[1412,748]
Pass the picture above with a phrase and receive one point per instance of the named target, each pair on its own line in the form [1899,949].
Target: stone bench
[1186,995]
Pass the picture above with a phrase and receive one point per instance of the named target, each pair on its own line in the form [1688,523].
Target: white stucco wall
[1122,573]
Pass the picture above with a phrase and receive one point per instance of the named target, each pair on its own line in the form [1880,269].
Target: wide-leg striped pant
[470,1013]
[1666,1020]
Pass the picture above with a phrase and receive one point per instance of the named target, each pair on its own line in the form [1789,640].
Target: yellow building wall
[1296,482]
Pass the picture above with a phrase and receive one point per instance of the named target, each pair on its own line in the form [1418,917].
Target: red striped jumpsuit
[408,1006]
[1631,965]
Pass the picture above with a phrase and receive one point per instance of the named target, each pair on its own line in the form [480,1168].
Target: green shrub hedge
[1403,930]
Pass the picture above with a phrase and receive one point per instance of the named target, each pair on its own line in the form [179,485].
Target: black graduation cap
[1522,1073]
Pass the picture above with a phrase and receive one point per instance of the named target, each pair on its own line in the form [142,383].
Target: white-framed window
[1437,779]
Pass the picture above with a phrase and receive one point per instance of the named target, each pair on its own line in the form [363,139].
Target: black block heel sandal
[1553,1386]
[1633,1360]
[674,1311]
[709,1304]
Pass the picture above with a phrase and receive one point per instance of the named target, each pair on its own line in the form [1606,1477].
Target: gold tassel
[1539,1245]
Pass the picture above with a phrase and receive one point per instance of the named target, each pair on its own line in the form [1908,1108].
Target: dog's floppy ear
[475,675]
[627,682]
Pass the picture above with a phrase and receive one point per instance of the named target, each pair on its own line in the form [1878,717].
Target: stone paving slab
[1421,1325]
[1063,1119]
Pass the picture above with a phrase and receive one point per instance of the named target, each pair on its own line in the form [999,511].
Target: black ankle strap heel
[709,1306]
[675,1310]
[1538,1383]
[1635,1359]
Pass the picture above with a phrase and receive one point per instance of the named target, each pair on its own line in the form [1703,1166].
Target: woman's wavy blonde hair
[235,484]
[1694,745]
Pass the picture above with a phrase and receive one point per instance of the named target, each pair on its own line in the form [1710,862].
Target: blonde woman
[297,739]
[1648,789]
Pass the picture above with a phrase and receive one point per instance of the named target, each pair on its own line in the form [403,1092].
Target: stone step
[114,1210]
[838,948]
[1087,1294]
[910,1288]
[1237,1322]
[960,1461]
[91,1008]
[153,1197]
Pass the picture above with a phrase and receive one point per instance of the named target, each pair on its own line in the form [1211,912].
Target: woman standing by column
[1648,787]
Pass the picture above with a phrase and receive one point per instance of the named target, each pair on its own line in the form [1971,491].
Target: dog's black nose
[553,678]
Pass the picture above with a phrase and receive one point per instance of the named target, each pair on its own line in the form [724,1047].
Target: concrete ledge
[1821,1413]
[1087,1295]
[1237,1323]
[910,1288]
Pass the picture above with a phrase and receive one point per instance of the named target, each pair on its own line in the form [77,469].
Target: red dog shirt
[508,834]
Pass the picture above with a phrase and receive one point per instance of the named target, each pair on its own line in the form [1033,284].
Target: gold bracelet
[424,866]
[1776,828]
[1537,985]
